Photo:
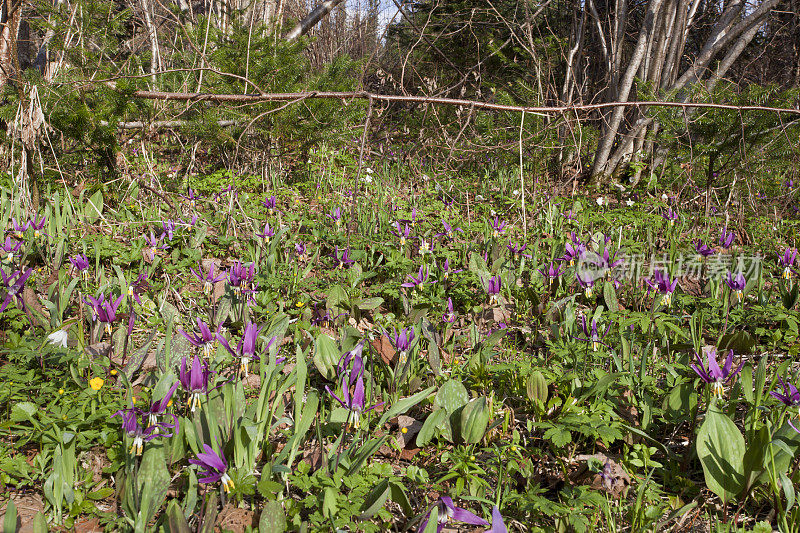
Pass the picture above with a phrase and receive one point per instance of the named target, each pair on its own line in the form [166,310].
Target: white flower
[58,338]
[367,179]
[664,197]
[516,192]
[629,202]
[601,201]
[368,170]
[478,197]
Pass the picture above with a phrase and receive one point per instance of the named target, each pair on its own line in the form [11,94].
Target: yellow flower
[113,372]
[60,391]
[133,400]
[299,304]
[404,431]
[96,383]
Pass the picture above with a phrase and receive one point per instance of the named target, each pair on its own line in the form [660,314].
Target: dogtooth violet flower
[703,249]
[240,276]
[204,340]
[790,397]
[587,283]
[726,238]
[194,380]
[10,247]
[498,526]
[418,283]
[446,270]
[449,231]
[551,272]
[344,259]
[736,284]
[787,261]
[447,511]
[246,349]
[139,434]
[168,228]
[351,373]
[498,227]
[159,407]
[213,467]
[662,284]
[208,279]
[81,264]
[336,216]
[450,315]
[670,216]
[19,229]
[492,286]
[267,234]
[516,249]
[138,287]
[402,234]
[269,202]
[37,226]
[192,196]
[104,311]
[301,250]
[713,374]
[402,342]
[592,335]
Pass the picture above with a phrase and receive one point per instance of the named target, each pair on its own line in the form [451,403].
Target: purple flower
[151,245]
[403,234]
[351,373]
[168,228]
[159,407]
[790,396]
[448,511]
[10,247]
[418,283]
[703,249]
[569,215]
[587,284]
[517,250]
[208,279]
[715,375]
[551,272]
[344,259]
[213,467]
[498,227]
[449,316]
[267,234]
[498,526]
[336,216]
[192,196]
[14,285]
[662,284]
[492,286]
[301,250]
[204,340]
[413,219]
[446,271]
[80,262]
[449,231]
[726,239]
[670,216]
[402,342]
[246,349]
[736,284]
[592,335]
[104,311]
[138,287]
[139,434]
[194,380]
[240,276]
[37,226]
[19,229]
[573,250]
[270,203]
[787,261]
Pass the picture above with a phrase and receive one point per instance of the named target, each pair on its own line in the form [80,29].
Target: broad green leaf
[721,448]
[375,499]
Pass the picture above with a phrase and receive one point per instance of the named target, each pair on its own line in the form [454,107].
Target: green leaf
[337,297]
[176,522]
[452,395]
[93,208]
[610,296]
[433,520]
[720,448]
[329,506]
[366,451]
[23,411]
[273,518]
[369,304]
[429,427]
[788,490]
[326,356]
[402,406]
[10,520]
[375,500]
[39,523]
[558,436]
[474,420]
